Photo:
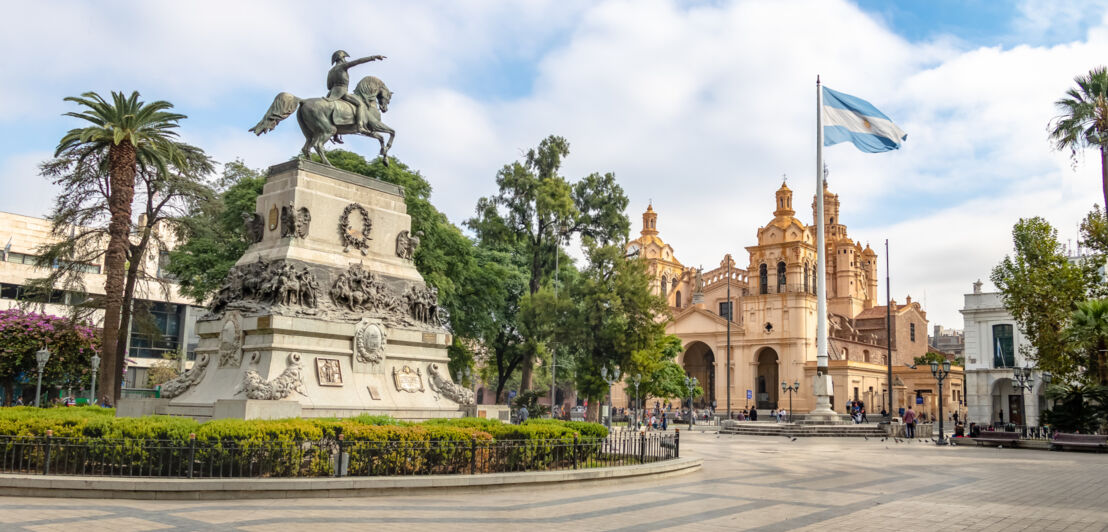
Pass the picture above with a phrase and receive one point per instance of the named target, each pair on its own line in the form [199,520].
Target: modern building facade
[171,329]
[772,316]
[993,351]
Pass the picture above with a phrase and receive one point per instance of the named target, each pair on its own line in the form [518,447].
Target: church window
[725,309]
[677,299]
[780,277]
[1004,355]
[806,274]
[665,286]
[865,355]
[912,331]
[763,279]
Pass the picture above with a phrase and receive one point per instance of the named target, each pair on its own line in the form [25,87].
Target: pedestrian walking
[754,414]
[665,421]
[523,414]
[864,418]
[910,423]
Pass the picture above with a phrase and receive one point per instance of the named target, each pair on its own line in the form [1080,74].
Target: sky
[701,107]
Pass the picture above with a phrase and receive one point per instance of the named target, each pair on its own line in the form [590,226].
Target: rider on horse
[338,86]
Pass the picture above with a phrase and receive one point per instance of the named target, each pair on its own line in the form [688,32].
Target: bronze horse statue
[322,118]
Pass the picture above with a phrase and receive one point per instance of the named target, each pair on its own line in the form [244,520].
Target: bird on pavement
[794,438]
[866,437]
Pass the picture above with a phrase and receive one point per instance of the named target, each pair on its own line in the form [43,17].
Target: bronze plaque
[407,379]
[429,338]
[328,371]
[265,322]
[273,216]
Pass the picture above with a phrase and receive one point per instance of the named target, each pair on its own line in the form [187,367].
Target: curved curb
[287,488]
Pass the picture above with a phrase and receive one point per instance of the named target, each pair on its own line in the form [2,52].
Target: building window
[677,299]
[865,355]
[912,332]
[665,286]
[806,274]
[1004,355]
[725,310]
[763,279]
[780,277]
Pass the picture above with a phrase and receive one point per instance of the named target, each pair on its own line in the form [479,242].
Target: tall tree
[212,235]
[130,134]
[1084,120]
[1088,331]
[536,209]
[1041,288]
[612,321]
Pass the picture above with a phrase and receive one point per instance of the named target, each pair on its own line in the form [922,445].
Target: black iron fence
[49,455]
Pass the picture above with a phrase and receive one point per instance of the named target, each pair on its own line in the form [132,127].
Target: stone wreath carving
[370,338]
[295,222]
[230,342]
[358,289]
[186,380]
[443,385]
[268,282]
[255,226]
[282,386]
[406,244]
[351,237]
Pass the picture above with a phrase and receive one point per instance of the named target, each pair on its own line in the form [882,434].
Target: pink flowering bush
[71,348]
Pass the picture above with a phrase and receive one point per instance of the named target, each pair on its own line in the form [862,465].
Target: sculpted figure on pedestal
[339,113]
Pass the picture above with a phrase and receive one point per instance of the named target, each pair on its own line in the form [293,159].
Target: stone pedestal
[822,414]
[325,314]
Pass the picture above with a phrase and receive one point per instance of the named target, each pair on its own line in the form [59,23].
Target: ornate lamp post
[95,368]
[790,390]
[42,356]
[636,379]
[1025,380]
[609,378]
[691,383]
[939,375]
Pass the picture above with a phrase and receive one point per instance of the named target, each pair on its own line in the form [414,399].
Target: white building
[174,314]
[992,351]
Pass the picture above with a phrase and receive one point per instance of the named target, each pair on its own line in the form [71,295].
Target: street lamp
[939,375]
[691,383]
[42,356]
[609,378]
[1024,381]
[95,368]
[636,379]
[790,390]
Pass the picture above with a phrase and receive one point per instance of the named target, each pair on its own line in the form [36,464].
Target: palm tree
[127,133]
[1089,330]
[1084,119]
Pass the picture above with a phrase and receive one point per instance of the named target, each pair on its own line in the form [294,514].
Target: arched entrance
[700,362]
[765,384]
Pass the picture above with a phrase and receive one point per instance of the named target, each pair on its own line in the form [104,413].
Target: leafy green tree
[128,134]
[536,209]
[612,321]
[1084,120]
[1088,332]
[926,359]
[213,235]
[1078,407]
[1040,287]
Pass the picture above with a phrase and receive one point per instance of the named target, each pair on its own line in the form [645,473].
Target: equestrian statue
[341,112]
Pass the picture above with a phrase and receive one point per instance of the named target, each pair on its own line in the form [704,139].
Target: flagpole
[822,384]
[889,326]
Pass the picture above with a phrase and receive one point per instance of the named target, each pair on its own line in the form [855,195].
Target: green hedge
[377,445]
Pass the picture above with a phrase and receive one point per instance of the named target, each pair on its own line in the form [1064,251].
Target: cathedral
[769,305]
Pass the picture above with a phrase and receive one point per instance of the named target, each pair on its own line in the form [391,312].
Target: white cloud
[700,107]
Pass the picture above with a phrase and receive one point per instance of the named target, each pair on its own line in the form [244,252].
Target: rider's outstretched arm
[361,60]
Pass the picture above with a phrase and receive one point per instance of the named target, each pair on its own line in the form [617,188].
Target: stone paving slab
[746,483]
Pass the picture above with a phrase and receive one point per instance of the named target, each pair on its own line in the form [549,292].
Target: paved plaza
[746,483]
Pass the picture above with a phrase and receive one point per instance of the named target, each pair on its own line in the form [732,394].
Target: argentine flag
[849,118]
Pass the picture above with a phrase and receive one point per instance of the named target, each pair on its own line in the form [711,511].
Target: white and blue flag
[849,118]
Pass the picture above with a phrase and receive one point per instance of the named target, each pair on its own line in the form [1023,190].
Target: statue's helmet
[338,56]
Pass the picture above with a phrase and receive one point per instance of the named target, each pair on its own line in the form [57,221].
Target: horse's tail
[283,106]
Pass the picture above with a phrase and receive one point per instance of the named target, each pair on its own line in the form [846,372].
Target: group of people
[857,411]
